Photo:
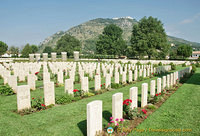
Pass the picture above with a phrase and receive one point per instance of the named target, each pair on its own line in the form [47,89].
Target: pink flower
[111,118]
[117,124]
[145,117]
[116,119]
[112,121]
[108,124]
[121,119]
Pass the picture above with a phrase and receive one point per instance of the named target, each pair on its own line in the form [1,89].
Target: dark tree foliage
[48,49]
[3,48]
[149,39]
[110,42]
[68,44]
[29,49]
[184,51]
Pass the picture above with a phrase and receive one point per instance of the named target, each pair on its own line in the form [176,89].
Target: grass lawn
[69,119]
[180,111]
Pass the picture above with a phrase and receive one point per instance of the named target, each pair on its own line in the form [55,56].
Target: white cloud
[190,20]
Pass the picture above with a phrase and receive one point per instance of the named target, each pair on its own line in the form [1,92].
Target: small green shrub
[38,103]
[129,113]
[88,94]
[64,99]
[6,90]
[152,107]
[193,69]
[173,66]
[138,63]
[160,64]
[115,85]
[184,65]
[140,78]
[197,65]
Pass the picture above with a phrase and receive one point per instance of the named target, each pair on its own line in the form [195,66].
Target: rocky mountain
[88,33]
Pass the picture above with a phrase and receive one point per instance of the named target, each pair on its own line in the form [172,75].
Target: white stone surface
[94,117]
[49,93]
[134,97]
[144,94]
[117,105]
[23,97]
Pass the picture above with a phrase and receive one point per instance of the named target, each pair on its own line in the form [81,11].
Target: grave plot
[48,72]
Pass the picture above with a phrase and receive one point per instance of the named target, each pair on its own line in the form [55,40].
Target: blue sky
[26,21]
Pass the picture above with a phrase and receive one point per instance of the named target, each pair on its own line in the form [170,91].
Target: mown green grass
[69,119]
[180,111]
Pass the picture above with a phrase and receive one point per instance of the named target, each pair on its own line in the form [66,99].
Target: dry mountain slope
[88,33]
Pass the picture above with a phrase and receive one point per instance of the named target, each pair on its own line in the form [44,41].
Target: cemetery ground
[70,119]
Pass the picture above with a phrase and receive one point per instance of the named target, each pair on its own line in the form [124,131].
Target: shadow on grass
[83,127]
[107,115]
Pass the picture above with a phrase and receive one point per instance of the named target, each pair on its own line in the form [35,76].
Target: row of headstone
[94,108]
[36,57]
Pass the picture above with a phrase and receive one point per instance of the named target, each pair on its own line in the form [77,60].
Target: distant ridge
[89,31]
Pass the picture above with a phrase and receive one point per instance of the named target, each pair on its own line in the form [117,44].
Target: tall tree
[14,50]
[110,42]
[3,48]
[26,50]
[34,48]
[149,39]
[184,50]
[69,44]
[47,49]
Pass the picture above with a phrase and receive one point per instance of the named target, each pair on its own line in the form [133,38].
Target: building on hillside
[195,55]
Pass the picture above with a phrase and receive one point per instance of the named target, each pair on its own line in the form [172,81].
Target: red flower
[101,85]
[75,90]
[127,101]
[152,73]
[42,104]
[36,73]
[144,111]
[33,98]
[145,117]
[159,93]
[104,84]
[156,94]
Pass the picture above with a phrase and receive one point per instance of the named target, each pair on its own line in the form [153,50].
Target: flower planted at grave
[77,93]
[38,103]
[116,124]
[129,113]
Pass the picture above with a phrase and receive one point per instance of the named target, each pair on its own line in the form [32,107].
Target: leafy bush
[160,64]
[193,69]
[6,90]
[173,66]
[140,78]
[88,94]
[38,103]
[115,85]
[184,65]
[138,63]
[197,65]
[78,93]
[152,107]
[66,99]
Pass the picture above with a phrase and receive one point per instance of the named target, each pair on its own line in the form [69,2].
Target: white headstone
[49,93]
[144,94]
[152,89]
[94,118]
[134,97]
[117,106]
[23,97]
[159,85]
[69,86]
